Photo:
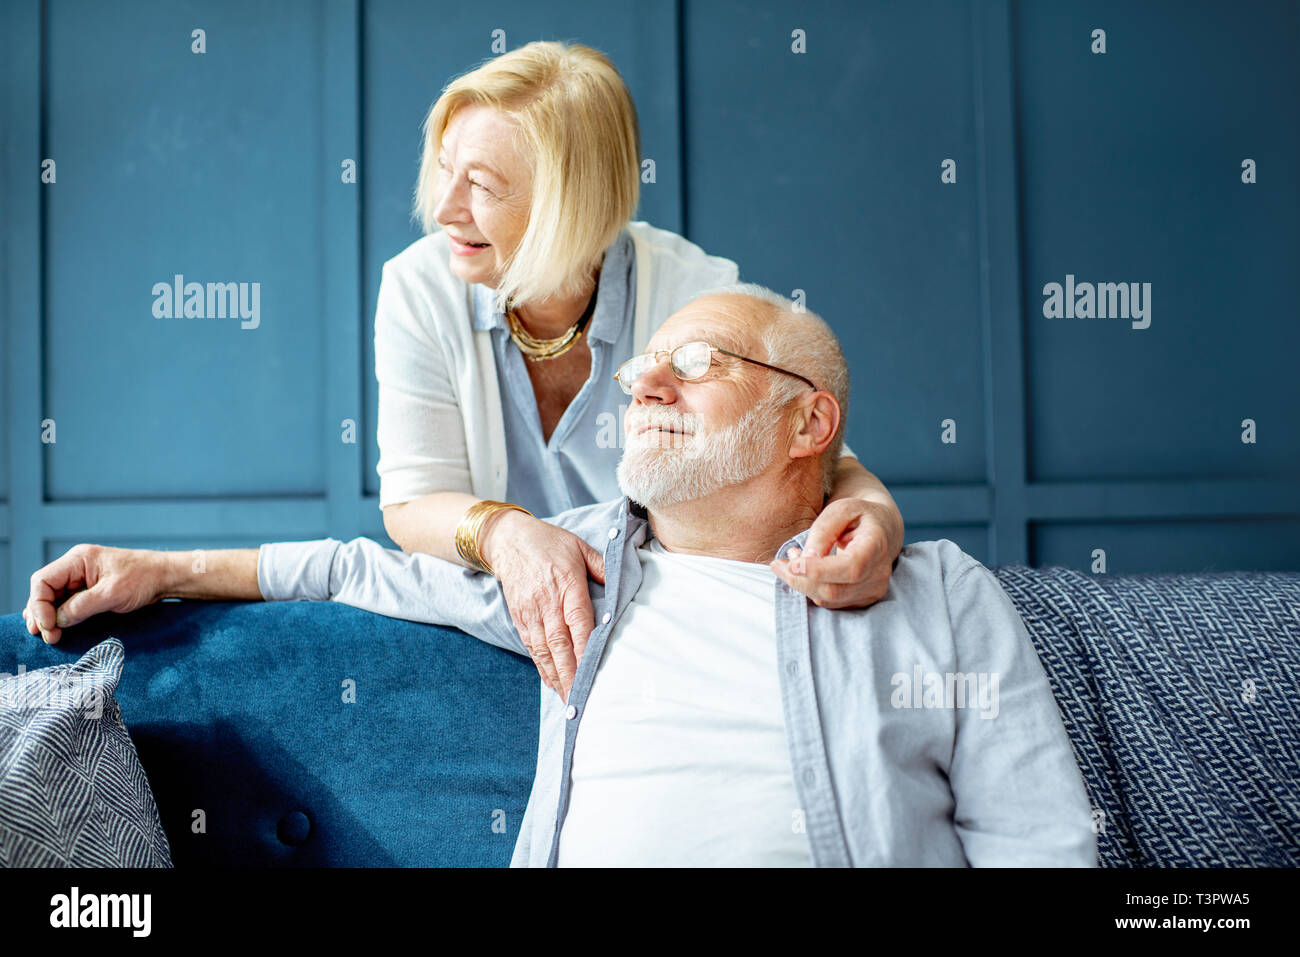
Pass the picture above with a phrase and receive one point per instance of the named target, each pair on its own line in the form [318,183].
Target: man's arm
[89,580]
[1020,799]
[226,574]
[364,574]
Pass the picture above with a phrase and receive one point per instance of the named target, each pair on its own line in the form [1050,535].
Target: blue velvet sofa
[315,734]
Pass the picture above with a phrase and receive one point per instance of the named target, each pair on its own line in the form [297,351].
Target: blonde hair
[578,125]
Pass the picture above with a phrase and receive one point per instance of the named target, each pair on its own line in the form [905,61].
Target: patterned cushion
[72,791]
[1181,696]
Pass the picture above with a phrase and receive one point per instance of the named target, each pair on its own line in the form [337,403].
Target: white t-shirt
[681,758]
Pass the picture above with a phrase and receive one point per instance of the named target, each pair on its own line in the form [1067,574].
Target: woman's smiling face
[484,192]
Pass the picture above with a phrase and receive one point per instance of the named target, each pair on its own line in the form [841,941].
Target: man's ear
[816,422]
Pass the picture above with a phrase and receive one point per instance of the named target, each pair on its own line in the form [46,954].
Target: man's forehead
[719,330]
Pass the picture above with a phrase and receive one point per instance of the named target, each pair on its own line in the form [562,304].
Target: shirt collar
[611,296]
[796,542]
[635,519]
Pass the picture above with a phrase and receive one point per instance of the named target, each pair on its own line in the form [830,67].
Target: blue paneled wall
[920,174]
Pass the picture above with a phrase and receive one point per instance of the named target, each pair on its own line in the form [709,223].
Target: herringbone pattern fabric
[72,790]
[1181,696]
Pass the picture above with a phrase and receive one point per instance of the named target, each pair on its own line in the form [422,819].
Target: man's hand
[88,580]
[857,575]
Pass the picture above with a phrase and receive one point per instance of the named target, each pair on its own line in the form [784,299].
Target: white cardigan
[440,426]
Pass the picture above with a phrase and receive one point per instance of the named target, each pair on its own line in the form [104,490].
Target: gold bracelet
[467,531]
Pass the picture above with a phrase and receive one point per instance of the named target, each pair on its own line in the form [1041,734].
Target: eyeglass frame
[712,349]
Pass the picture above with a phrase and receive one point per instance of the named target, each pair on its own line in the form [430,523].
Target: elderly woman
[498,333]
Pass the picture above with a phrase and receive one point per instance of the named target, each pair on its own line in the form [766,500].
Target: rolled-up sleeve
[296,571]
[1020,799]
[387,581]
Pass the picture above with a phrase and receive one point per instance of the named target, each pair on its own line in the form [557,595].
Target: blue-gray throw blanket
[1181,696]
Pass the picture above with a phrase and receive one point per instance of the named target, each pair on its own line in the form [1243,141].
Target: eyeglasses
[688,361]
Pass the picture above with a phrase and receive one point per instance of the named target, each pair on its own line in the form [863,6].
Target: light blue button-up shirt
[922,730]
[578,465]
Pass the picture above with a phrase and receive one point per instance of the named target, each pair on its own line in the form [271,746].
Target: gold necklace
[538,349]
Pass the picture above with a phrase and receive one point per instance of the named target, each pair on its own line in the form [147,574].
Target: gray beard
[657,474]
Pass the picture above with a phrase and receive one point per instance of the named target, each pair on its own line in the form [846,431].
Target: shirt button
[571,712]
[613,533]
[792,668]
[809,776]
[604,619]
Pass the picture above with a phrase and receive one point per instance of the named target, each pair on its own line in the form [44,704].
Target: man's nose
[657,384]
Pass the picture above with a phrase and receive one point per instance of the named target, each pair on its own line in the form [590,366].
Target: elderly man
[717,716]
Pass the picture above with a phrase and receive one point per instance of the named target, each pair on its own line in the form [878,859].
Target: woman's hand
[543,571]
[857,575]
[88,580]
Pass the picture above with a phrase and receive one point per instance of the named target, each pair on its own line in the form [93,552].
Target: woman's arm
[428,524]
[424,458]
[861,519]
[854,481]
[425,480]
[543,570]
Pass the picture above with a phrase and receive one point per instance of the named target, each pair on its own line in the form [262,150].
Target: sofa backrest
[317,734]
